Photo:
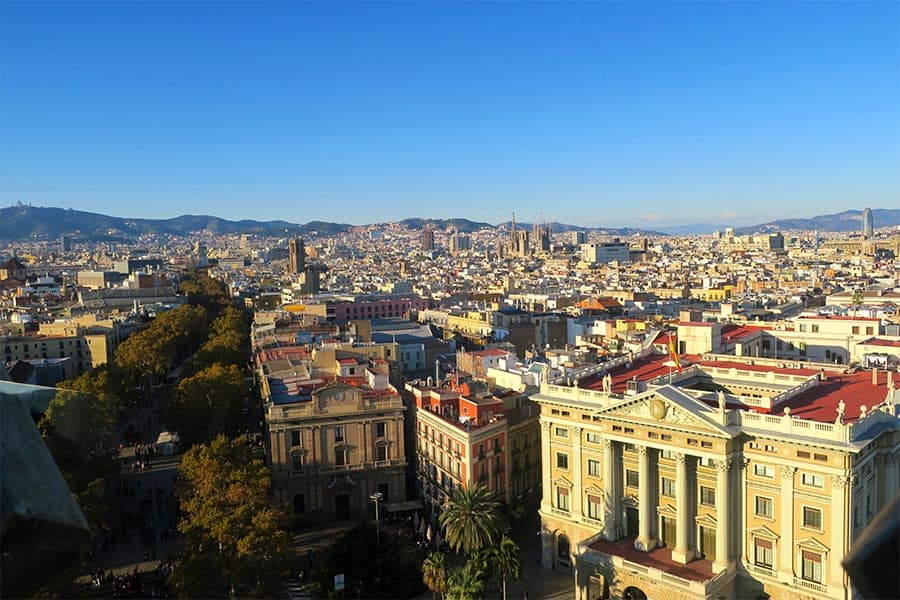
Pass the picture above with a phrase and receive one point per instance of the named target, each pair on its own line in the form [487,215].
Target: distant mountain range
[22,222]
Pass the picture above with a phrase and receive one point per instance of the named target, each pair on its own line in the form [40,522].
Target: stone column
[723,515]
[610,496]
[576,500]
[786,541]
[546,468]
[682,552]
[644,542]
[840,518]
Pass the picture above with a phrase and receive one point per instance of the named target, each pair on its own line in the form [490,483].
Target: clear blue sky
[592,113]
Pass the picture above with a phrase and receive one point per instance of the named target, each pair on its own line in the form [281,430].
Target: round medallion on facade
[658,408]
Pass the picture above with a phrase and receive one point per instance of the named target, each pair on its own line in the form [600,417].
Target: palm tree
[505,558]
[466,583]
[434,573]
[469,518]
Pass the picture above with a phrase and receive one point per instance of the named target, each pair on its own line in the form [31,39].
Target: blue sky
[590,113]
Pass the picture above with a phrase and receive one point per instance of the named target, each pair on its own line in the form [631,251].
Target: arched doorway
[562,552]
[633,593]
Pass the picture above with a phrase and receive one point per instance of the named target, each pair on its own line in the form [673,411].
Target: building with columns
[736,479]
[334,436]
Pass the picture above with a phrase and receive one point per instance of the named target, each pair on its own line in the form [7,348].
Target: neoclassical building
[743,479]
[332,443]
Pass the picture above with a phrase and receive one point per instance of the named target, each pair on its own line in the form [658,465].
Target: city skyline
[598,114]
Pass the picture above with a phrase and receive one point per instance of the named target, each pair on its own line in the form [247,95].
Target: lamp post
[377,497]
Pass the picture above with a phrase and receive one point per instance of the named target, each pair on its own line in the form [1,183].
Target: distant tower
[65,244]
[427,238]
[200,253]
[297,255]
[868,223]
[513,240]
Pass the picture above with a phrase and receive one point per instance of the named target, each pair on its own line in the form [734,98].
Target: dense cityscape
[400,411]
[511,300]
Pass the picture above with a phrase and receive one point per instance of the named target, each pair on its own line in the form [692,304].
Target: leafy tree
[505,559]
[205,291]
[207,404]
[233,537]
[434,573]
[466,582]
[77,428]
[470,519]
[856,301]
[372,570]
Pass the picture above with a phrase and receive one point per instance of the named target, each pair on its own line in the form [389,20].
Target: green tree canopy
[233,536]
[504,557]
[434,573]
[207,404]
[466,582]
[470,519]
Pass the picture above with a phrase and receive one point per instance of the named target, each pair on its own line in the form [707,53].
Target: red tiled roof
[659,558]
[643,368]
[838,318]
[731,333]
[855,389]
[886,343]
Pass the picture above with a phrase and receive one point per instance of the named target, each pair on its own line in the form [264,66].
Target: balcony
[809,585]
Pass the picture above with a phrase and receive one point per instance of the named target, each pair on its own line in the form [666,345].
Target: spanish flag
[673,354]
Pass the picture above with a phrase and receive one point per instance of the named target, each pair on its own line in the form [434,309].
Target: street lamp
[377,497]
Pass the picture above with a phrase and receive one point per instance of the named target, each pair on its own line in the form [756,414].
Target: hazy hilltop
[22,222]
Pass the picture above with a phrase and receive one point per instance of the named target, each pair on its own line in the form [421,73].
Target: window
[764,471]
[815,329]
[763,554]
[381,453]
[562,498]
[295,439]
[668,487]
[594,468]
[380,429]
[802,327]
[340,456]
[595,507]
[299,504]
[870,330]
[707,496]
[562,432]
[296,461]
[631,478]
[855,330]
[812,517]
[339,434]
[802,454]
[593,438]
[562,461]
[764,507]
[812,480]
[812,566]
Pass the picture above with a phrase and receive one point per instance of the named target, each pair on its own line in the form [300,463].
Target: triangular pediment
[763,532]
[668,406]
[563,481]
[667,510]
[705,520]
[812,544]
[593,489]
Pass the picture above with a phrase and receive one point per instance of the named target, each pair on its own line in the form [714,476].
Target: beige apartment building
[335,438]
[721,481]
